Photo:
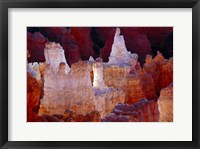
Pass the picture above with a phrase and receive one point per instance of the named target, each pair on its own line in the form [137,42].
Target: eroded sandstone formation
[98,82]
[34,90]
[119,54]
[165,104]
[54,55]
[161,70]
[96,91]
[124,72]
[71,88]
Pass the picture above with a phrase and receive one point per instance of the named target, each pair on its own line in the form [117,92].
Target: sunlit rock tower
[119,54]
[55,78]
[71,88]
[98,82]
[91,59]
[165,104]
[54,55]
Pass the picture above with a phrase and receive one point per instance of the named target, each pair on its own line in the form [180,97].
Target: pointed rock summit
[54,55]
[91,59]
[119,54]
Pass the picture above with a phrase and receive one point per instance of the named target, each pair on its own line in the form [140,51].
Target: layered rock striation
[165,104]
[160,69]
[71,88]
[93,90]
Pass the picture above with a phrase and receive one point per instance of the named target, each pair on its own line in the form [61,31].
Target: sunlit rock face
[165,104]
[91,59]
[136,83]
[119,77]
[98,82]
[142,111]
[54,55]
[34,70]
[79,89]
[71,88]
[119,54]
[117,71]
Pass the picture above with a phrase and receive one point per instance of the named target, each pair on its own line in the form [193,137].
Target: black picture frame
[4,63]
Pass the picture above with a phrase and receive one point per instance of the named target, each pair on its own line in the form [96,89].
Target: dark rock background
[83,42]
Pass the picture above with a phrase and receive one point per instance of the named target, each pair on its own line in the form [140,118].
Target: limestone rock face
[119,77]
[72,88]
[134,89]
[148,85]
[91,59]
[142,111]
[34,70]
[107,99]
[166,73]
[79,88]
[161,70]
[54,55]
[119,54]
[136,83]
[165,104]
[115,76]
[98,82]
[117,72]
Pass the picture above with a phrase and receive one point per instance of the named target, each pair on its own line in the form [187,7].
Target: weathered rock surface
[119,54]
[142,111]
[72,88]
[90,90]
[161,70]
[33,97]
[117,71]
[165,104]
[54,55]
[98,82]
